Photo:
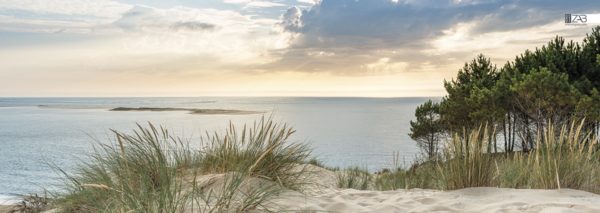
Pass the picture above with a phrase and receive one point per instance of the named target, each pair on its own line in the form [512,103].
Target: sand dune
[326,197]
[464,200]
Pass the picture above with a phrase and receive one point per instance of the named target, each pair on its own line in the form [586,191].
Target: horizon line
[223,96]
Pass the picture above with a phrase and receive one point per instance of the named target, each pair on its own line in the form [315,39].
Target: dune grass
[32,203]
[152,171]
[354,178]
[419,176]
[563,158]
[260,149]
[465,162]
[149,170]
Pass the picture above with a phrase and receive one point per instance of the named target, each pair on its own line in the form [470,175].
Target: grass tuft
[354,178]
[261,150]
[465,162]
[564,158]
[150,170]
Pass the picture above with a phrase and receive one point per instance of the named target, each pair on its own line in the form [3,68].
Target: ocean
[36,132]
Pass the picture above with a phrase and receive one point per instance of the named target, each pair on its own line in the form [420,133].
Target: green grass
[423,175]
[354,178]
[32,203]
[563,158]
[261,150]
[152,171]
[566,158]
[465,162]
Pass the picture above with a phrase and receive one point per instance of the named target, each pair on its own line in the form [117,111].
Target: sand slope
[325,197]
[464,200]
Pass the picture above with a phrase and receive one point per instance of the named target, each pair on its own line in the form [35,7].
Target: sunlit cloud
[278,47]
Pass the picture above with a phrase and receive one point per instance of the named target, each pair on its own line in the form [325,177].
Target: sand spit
[191,110]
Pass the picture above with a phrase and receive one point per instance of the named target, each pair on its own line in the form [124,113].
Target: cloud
[385,22]
[263,4]
[49,16]
[192,26]
[255,3]
[416,31]
[384,66]
[225,39]
[292,19]
[343,45]
[236,1]
[309,2]
[144,18]
[228,36]
[73,8]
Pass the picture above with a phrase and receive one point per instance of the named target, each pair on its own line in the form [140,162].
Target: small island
[191,110]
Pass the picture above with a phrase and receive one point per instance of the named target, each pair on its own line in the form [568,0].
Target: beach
[483,199]
[322,195]
[420,200]
[325,196]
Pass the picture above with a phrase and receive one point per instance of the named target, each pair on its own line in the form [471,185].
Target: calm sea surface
[365,132]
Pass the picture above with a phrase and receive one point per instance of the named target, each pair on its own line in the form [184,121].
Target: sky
[363,48]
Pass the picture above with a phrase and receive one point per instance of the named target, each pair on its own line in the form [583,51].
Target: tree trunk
[504,134]
[513,132]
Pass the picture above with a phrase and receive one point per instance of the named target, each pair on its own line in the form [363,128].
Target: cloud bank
[389,47]
[369,31]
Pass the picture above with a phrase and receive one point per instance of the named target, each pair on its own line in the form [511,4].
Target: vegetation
[569,159]
[466,164]
[261,150]
[32,203]
[152,171]
[354,178]
[544,108]
[519,104]
[556,83]
[565,157]
[427,129]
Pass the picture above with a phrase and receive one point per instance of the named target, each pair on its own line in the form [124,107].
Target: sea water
[36,132]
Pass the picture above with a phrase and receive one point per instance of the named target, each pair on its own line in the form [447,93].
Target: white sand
[327,198]
[464,200]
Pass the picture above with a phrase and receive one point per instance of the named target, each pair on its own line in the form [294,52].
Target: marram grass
[152,171]
[260,150]
[564,157]
[354,178]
